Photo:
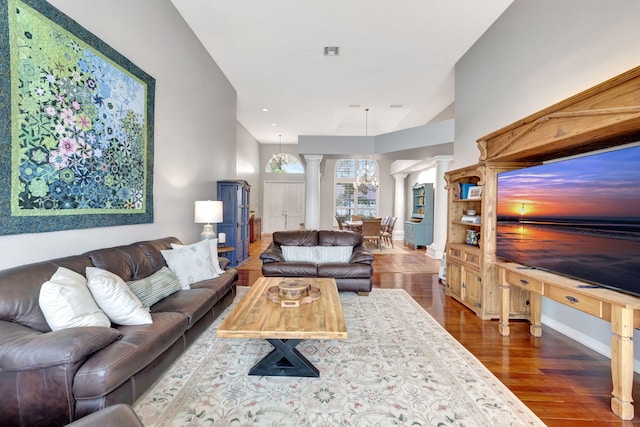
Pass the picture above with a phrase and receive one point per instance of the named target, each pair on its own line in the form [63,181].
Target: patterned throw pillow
[115,298]
[213,252]
[156,287]
[66,302]
[326,254]
[191,263]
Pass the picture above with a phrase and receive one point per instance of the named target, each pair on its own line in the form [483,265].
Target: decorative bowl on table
[293,289]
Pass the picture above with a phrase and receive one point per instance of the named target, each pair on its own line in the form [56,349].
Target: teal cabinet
[418,230]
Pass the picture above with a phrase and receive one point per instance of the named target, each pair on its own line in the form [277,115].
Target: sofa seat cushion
[221,284]
[290,269]
[139,346]
[345,271]
[193,303]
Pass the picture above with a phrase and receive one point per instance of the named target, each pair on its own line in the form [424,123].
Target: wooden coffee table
[255,316]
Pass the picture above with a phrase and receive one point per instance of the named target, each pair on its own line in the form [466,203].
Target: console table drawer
[524,282]
[579,302]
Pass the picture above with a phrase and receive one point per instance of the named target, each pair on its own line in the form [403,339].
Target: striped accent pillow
[153,288]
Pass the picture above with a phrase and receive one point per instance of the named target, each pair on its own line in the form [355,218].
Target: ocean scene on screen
[578,217]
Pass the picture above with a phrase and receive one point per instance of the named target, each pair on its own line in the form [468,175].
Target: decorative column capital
[313,157]
[399,176]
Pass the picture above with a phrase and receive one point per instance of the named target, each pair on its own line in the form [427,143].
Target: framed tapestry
[76,126]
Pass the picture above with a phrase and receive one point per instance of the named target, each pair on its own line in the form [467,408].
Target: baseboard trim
[584,339]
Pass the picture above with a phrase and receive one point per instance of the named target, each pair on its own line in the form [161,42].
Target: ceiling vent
[331,51]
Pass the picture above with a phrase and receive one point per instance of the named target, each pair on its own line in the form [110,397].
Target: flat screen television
[578,217]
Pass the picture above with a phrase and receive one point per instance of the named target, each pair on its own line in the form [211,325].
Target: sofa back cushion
[296,238]
[135,261]
[20,289]
[339,238]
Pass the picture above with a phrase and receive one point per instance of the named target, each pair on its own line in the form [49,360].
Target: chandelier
[366,179]
[280,160]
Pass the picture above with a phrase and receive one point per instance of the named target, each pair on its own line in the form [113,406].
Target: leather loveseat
[353,274]
[50,378]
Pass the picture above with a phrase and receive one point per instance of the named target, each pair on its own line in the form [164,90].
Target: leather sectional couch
[50,378]
[354,274]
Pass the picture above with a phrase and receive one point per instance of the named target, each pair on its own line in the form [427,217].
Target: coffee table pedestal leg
[284,361]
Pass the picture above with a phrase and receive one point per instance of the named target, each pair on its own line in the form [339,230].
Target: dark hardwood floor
[562,381]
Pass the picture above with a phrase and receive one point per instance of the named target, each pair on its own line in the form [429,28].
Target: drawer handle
[524,282]
[572,300]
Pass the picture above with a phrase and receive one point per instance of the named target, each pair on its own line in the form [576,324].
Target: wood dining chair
[387,232]
[371,231]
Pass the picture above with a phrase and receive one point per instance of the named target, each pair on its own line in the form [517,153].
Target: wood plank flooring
[562,381]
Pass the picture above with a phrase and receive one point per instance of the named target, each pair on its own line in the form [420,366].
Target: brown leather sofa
[354,275]
[50,378]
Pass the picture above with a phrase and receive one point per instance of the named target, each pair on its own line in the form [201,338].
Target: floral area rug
[397,367]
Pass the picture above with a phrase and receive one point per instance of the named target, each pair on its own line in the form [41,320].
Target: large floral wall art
[76,126]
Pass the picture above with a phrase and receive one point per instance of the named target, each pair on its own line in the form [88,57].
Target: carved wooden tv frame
[604,116]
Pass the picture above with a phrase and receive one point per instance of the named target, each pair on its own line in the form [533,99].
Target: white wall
[536,54]
[248,165]
[195,125]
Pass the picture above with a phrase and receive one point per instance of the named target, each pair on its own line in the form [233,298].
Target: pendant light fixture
[280,160]
[366,178]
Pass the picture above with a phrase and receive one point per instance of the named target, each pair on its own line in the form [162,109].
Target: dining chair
[340,226]
[371,231]
[356,217]
[387,234]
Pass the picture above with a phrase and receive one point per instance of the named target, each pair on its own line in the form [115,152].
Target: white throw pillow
[299,253]
[66,302]
[191,263]
[116,299]
[213,253]
[326,254]
[156,287]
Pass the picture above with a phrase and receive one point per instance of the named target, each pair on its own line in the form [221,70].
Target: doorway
[283,206]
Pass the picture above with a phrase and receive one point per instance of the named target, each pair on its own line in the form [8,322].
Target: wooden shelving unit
[471,276]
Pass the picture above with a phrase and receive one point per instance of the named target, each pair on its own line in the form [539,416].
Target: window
[352,197]
[291,165]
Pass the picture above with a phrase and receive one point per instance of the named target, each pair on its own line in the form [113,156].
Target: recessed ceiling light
[274,125]
[354,105]
[331,51]
[265,109]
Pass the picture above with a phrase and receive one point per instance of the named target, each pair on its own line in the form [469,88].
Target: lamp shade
[208,211]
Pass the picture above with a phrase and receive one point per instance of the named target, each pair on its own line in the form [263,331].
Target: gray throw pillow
[153,288]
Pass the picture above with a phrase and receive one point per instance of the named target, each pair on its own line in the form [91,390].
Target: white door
[283,206]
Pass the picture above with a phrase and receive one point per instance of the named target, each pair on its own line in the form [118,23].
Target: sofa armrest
[361,255]
[224,262]
[24,350]
[272,254]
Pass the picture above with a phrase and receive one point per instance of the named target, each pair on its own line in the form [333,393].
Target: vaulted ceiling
[396,58]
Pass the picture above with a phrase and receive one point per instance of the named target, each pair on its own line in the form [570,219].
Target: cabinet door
[454,279]
[472,289]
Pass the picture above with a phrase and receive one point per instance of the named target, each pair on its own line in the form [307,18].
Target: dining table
[354,226]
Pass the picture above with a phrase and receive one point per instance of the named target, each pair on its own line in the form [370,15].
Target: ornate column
[399,206]
[436,249]
[312,191]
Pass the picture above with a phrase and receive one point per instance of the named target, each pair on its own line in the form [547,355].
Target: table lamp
[208,212]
